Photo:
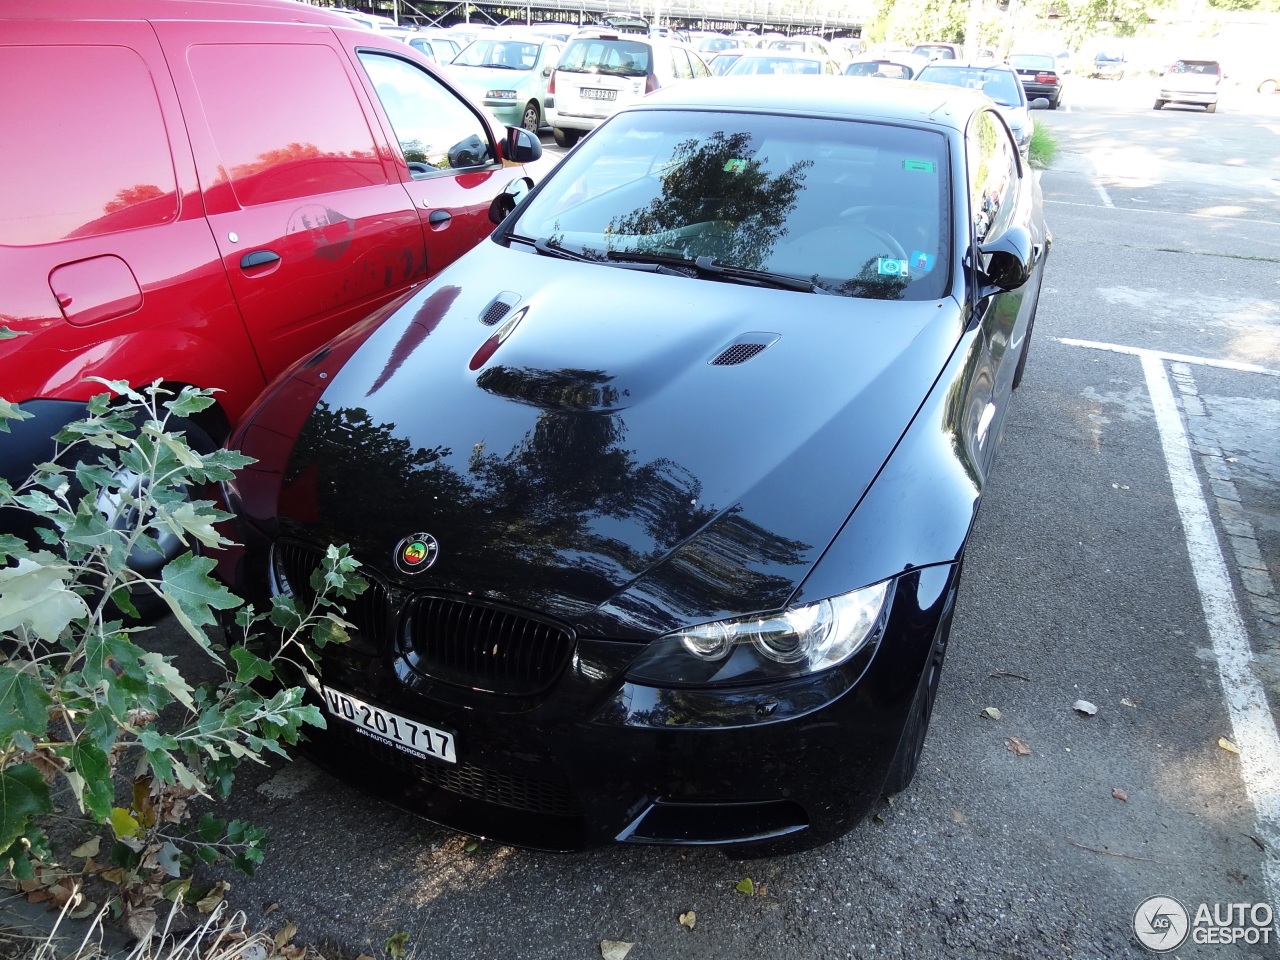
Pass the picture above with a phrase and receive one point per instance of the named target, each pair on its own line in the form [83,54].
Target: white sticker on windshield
[891,267]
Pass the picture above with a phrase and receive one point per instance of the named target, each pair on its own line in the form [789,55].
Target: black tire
[1211,108]
[566,138]
[907,760]
[1053,104]
[1159,104]
[150,606]
[531,119]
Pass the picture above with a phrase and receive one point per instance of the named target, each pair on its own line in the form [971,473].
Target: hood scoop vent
[744,348]
[498,307]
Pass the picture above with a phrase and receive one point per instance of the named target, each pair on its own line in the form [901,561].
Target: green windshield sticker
[735,166]
[924,166]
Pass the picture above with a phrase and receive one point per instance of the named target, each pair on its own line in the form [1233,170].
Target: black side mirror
[1010,258]
[509,199]
[521,146]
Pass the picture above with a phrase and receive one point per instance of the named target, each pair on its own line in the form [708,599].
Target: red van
[200,192]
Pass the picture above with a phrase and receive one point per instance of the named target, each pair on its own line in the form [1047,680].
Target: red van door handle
[258,258]
[439,217]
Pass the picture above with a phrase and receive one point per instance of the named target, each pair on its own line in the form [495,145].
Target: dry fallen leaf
[615,949]
[1126,702]
[141,923]
[688,919]
[958,816]
[88,849]
[286,934]
[293,952]
[992,713]
[1119,794]
[213,897]
[1085,707]
[1227,745]
[272,908]
[1018,747]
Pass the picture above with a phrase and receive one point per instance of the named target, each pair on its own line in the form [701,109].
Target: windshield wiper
[493,66]
[707,267]
[548,249]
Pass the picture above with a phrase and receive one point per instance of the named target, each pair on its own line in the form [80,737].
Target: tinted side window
[993,174]
[71,165]
[432,126]
[305,135]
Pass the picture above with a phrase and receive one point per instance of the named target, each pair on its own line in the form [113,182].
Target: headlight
[795,642]
[500,94]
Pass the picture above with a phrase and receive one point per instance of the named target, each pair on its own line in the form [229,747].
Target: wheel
[532,118]
[1053,104]
[1267,86]
[120,515]
[566,138]
[1211,108]
[1159,104]
[907,760]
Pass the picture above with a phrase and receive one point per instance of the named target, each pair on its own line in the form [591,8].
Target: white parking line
[1102,192]
[1253,726]
[1171,357]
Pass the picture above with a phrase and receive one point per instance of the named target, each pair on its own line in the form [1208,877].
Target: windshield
[619,58]
[859,209]
[511,54]
[1031,61]
[1002,86]
[788,65]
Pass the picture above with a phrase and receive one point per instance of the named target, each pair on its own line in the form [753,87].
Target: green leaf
[24,705]
[35,596]
[250,665]
[188,401]
[11,546]
[9,411]
[165,674]
[187,518]
[123,823]
[746,885]
[192,594]
[23,795]
[395,945]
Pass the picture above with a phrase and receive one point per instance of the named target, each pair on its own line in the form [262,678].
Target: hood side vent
[498,307]
[744,348]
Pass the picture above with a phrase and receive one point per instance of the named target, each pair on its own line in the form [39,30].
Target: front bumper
[768,768]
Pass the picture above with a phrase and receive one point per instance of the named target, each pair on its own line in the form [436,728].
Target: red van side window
[71,167]
[285,120]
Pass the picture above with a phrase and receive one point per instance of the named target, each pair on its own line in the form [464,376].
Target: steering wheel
[884,239]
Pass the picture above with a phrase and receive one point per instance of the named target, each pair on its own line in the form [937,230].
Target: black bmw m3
[663,491]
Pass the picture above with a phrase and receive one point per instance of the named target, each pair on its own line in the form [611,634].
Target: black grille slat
[738,353]
[531,794]
[483,647]
[368,614]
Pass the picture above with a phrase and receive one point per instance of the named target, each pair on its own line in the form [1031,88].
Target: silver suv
[601,71]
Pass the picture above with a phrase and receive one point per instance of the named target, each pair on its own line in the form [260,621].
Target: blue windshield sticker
[735,166]
[924,166]
[921,261]
[891,267]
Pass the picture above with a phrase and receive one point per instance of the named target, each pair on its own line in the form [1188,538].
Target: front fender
[921,506]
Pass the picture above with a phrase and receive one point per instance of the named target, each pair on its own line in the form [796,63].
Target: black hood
[623,451]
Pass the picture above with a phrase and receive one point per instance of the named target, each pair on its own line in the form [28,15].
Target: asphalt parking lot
[1126,555]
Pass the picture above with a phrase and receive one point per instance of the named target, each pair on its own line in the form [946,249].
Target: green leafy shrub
[95,725]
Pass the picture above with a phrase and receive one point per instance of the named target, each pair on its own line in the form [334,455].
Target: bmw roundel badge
[416,553]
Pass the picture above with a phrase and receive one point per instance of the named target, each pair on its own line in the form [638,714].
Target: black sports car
[663,491]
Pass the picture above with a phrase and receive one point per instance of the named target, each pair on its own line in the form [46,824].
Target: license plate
[598,93]
[391,728]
